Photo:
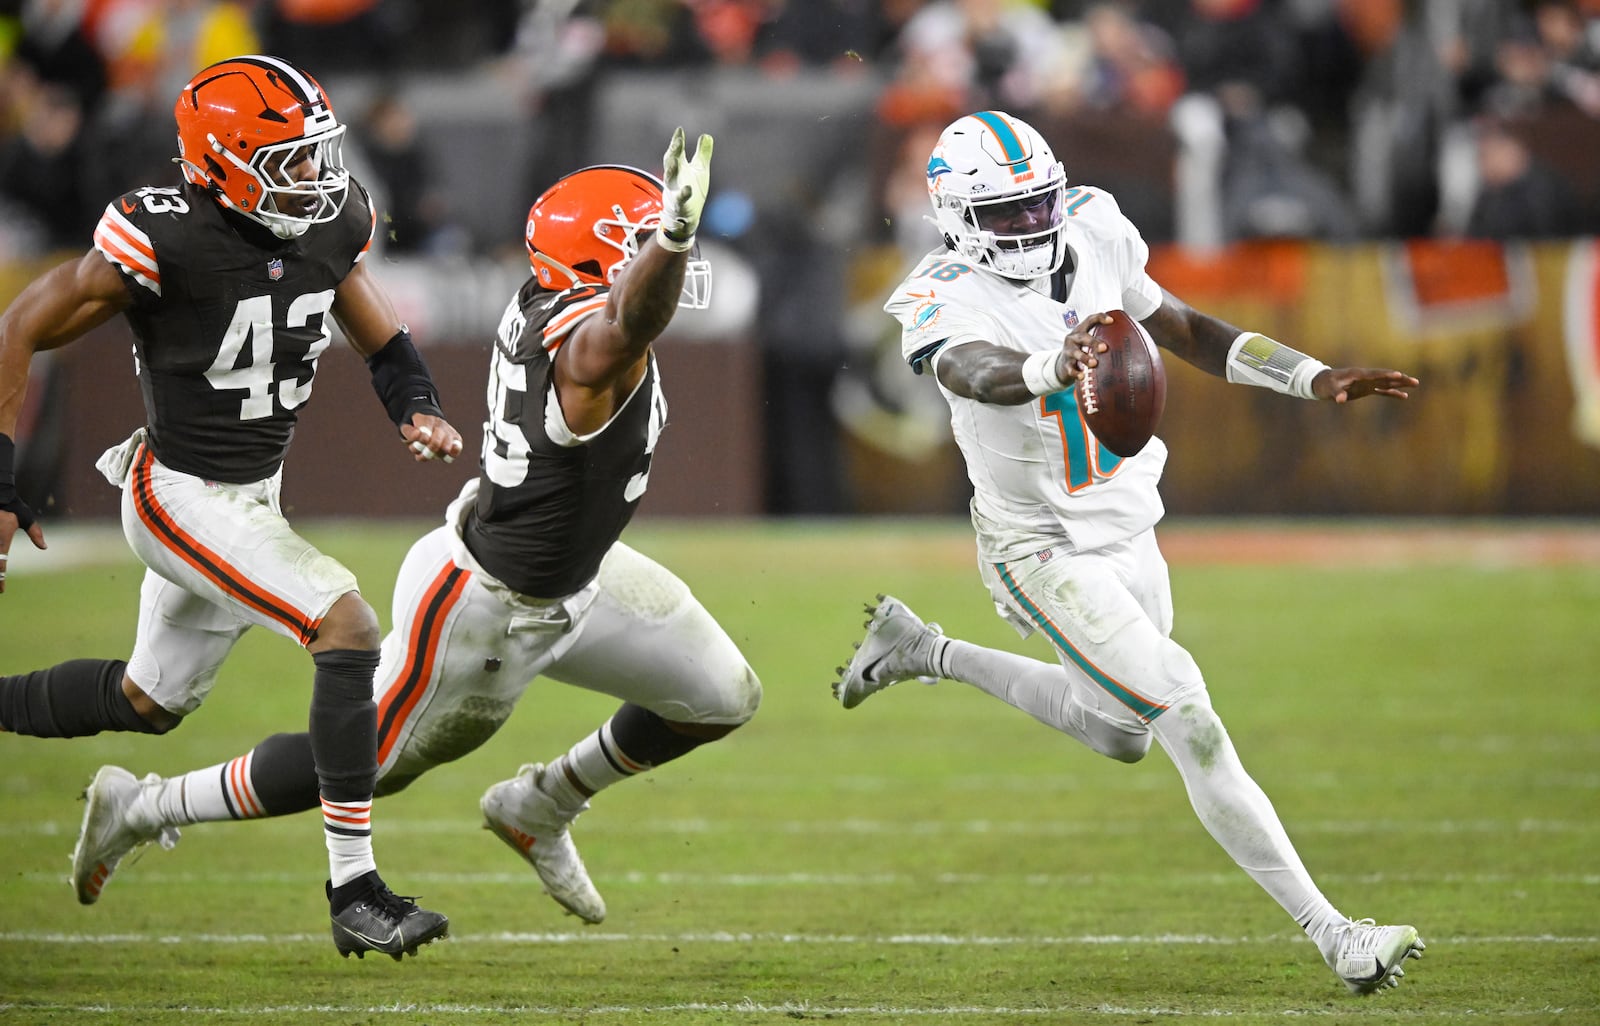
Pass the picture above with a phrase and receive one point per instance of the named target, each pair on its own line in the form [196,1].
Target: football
[1122,398]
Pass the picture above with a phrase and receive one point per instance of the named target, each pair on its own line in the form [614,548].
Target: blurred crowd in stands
[1212,121]
[1336,119]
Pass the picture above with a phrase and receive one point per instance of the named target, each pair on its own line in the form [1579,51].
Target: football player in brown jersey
[527,577]
[227,283]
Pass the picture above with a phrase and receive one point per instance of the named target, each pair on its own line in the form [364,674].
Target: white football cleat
[519,813]
[114,824]
[898,646]
[1368,956]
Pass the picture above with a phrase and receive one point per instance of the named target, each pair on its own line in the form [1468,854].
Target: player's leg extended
[182,642]
[1229,803]
[646,640]
[1114,647]
[462,653]
[275,778]
[899,646]
[79,698]
[1238,814]
[1114,672]
[231,545]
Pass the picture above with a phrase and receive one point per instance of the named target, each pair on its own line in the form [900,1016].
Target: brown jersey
[550,504]
[228,322]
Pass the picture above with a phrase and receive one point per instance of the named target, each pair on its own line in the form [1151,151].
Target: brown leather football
[1123,397]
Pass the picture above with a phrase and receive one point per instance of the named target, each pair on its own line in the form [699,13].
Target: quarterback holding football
[1008,315]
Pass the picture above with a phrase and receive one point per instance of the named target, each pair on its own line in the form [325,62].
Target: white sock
[347,830]
[596,761]
[209,795]
[1238,814]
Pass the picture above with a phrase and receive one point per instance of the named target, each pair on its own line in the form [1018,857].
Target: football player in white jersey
[526,577]
[1065,528]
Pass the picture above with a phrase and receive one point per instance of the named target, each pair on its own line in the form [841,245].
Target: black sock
[340,897]
[645,737]
[344,724]
[77,698]
[284,775]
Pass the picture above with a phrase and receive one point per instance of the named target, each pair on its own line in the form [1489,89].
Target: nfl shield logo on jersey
[275,268]
[1071,319]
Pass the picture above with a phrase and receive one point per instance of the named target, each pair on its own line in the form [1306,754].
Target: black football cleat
[380,920]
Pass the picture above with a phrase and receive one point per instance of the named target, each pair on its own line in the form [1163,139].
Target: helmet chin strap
[284,229]
[540,259]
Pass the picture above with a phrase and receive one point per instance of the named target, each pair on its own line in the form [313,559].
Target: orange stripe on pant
[207,563]
[422,646]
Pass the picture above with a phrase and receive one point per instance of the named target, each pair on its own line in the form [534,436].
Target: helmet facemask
[623,235]
[292,203]
[999,195]
[1018,236]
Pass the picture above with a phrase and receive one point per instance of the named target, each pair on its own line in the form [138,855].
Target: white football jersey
[1037,473]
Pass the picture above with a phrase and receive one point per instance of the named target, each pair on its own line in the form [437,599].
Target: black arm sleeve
[8,486]
[402,380]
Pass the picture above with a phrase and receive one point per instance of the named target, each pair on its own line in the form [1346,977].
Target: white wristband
[1255,359]
[672,244]
[1039,373]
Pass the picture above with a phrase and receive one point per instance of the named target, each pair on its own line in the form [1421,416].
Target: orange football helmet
[260,134]
[589,224]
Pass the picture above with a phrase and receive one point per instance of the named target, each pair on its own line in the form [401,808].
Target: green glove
[687,182]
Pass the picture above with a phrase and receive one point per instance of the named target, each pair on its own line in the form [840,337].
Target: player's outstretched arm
[56,308]
[606,352]
[1249,358]
[399,375]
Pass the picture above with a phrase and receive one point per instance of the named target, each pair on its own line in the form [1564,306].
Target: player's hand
[1342,384]
[431,438]
[12,521]
[1080,350]
[687,182]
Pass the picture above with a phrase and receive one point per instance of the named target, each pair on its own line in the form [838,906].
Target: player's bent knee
[1180,669]
[726,697]
[160,719]
[1121,745]
[393,783]
[351,624]
[741,697]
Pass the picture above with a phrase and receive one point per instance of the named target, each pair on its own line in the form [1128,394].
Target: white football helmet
[999,195]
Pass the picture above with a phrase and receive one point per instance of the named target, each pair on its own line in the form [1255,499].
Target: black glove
[8,486]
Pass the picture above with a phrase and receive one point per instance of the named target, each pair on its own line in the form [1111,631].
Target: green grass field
[1430,734]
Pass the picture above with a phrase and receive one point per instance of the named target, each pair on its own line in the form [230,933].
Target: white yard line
[639,877]
[735,937]
[805,1010]
[395,826]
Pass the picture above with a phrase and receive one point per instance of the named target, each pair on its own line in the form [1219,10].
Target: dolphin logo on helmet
[998,195]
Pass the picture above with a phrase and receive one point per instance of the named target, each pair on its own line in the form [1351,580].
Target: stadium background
[1341,192]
